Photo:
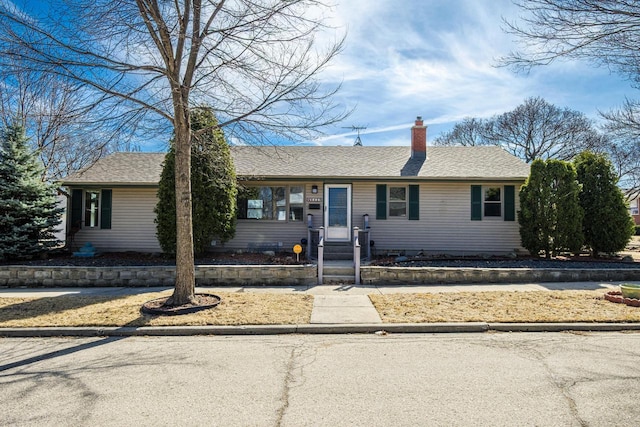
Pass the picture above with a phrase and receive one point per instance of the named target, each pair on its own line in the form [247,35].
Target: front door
[337,212]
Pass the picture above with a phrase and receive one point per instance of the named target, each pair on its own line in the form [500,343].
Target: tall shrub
[29,211]
[550,216]
[213,187]
[607,224]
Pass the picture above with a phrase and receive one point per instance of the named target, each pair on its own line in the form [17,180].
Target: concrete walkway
[343,309]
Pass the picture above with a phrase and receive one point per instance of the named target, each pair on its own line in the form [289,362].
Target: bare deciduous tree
[469,132]
[604,33]
[256,62]
[62,122]
[533,130]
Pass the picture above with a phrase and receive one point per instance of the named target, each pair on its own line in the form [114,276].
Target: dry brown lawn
[536,306]
[235,309]
[271,309]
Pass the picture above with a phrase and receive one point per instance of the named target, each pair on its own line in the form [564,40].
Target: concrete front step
[338,256]
[338,251]
[339,271]
[335,278]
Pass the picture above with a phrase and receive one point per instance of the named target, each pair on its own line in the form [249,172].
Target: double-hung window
[394,201]
[91,208]
[492,201]
[397,201]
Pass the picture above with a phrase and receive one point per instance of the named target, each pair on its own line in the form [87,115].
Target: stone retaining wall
[288,275]
[452,275]
[206,275]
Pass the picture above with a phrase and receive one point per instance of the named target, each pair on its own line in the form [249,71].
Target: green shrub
[213,187]
[607,225]
[550,216]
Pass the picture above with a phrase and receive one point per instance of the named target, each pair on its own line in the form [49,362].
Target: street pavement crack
[288,379]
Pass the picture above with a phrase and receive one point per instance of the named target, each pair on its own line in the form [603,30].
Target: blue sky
[437,59]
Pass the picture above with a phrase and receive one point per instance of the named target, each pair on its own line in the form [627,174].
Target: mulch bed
[202,302]
[119,259]
[577,262]
[114,259]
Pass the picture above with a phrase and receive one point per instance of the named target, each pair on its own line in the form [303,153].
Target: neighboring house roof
[448,163]
[120,169]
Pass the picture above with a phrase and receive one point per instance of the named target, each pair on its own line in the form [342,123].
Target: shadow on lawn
[49,305]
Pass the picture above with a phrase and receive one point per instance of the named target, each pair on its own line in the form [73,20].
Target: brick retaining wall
[206,275]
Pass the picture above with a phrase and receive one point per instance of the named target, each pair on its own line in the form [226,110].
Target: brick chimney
[419,140]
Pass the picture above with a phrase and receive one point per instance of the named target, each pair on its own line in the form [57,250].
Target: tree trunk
[184,291]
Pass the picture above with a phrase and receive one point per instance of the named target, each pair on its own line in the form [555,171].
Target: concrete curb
[311,329]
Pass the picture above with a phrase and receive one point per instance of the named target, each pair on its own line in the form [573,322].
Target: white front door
[337,212]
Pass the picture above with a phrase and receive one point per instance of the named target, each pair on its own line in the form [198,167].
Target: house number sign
[314,199]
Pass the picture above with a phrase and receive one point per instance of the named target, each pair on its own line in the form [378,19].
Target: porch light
[314,189]
[310,220]
[366,221]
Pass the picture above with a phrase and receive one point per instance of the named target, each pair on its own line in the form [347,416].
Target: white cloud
[438,59]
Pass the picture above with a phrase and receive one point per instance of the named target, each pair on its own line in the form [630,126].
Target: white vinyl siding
[132,226]
[444,226]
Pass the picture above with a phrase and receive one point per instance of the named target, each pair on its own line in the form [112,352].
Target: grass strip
[235,309]
[501,306]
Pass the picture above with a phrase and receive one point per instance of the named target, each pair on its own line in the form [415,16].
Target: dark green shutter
[476,202]
[509,203]
[381,201]
[76,208]
[105,209]
[414,202]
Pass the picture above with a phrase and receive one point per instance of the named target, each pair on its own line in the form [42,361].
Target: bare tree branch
[255,62]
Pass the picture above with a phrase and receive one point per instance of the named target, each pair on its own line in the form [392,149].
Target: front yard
[246,308]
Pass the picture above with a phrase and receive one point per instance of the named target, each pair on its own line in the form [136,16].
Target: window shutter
[381,201]
[105,209]
[476,202]
[76,208]
[509,203]
[414,202]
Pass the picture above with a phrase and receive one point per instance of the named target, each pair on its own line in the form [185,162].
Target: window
[91,208]
[488,201]
[271,203]
[492,201]
[633,207]
[397,201]
[296,203]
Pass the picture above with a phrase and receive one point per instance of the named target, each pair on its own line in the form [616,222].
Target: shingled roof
[442,163]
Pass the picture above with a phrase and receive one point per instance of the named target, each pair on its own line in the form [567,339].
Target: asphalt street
[492,379]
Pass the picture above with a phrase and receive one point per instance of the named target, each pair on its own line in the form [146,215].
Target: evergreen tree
[213,187]
[29,212]
[607,225]
[550,216]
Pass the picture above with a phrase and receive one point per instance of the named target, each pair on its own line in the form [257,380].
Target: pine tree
[213,187]
[607,225]
[29,212]
[550,216]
